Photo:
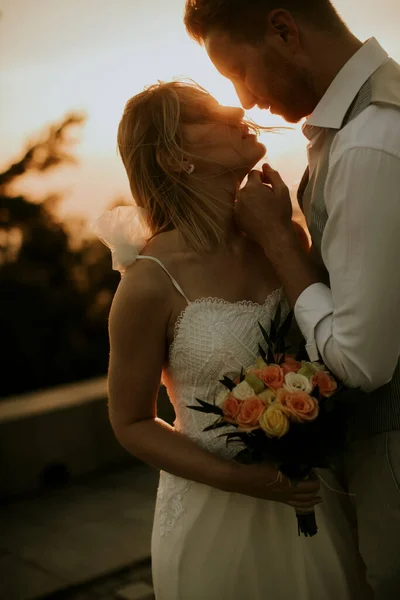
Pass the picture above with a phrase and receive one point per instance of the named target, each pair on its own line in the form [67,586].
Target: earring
[191,169]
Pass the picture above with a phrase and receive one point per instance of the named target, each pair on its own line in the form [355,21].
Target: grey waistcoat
[378,411]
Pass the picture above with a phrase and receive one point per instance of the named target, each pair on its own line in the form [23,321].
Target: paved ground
[98,528]
[132,583]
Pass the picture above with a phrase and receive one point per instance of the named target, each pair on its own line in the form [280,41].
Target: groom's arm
[355,324]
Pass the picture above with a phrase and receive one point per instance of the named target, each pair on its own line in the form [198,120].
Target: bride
[186,311]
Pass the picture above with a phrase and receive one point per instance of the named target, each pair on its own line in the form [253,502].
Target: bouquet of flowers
[284,409]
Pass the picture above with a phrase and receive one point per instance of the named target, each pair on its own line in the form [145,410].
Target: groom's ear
[282,23]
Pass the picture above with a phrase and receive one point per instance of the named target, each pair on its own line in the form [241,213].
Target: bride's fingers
[273,178]
[310,486]
[254,177]
[304,505]
[305,497]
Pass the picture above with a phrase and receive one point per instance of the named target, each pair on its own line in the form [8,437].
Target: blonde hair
[150,142]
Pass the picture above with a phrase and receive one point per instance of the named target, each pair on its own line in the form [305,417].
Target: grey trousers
[371,472]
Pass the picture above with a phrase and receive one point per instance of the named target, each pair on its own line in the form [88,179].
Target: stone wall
[51,437]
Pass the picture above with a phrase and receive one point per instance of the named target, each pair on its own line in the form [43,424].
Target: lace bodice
[213,338]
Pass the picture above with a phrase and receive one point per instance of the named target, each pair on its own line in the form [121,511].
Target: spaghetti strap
[174,282]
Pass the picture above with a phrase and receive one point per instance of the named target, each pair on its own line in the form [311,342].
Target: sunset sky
[60,55]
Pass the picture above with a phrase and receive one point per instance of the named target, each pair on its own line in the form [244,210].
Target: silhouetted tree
[55,292]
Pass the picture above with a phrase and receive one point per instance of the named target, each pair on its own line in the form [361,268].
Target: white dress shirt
[355,324]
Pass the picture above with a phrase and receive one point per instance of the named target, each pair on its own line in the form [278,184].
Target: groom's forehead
[225,53]
[220,46]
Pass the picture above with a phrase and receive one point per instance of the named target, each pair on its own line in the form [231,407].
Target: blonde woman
[186,310]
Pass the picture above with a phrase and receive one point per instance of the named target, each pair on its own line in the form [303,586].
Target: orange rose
[250,413]
[299,406]
[325,383]
[231,408]
[290,365]
[272,376]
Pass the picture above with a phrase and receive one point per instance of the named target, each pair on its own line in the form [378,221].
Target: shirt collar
[336,101]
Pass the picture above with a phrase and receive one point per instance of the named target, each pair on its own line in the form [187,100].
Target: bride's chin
[256,158]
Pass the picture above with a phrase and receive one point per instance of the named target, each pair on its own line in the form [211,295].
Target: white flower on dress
[243,391]
[297,383]
[125,231]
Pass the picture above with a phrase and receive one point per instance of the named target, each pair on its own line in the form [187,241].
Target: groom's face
[264,75]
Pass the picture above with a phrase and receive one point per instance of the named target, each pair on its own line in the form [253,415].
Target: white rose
[243,391]
[221,397]
[294,382]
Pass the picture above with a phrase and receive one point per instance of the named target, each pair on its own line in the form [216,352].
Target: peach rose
[290,365]
[272,376]
[231,408]
[274,421]
[298,406]
[325,383]
[250,413]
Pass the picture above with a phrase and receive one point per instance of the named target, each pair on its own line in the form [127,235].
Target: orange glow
[57,56]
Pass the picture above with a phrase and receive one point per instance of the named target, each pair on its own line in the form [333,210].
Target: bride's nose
[233,113]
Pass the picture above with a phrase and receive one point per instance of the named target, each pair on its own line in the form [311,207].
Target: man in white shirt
[298,58]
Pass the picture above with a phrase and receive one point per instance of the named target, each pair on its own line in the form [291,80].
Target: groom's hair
[245,20]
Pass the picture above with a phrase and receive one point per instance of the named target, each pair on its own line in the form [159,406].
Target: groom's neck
[328,55]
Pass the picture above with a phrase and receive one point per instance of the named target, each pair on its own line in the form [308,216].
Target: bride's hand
[264,481]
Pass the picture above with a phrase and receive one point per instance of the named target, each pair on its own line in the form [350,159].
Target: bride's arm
[138,332]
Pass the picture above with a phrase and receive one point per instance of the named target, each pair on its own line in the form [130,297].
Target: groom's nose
[247,100]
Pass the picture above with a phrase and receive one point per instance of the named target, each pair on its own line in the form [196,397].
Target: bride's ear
[173,164]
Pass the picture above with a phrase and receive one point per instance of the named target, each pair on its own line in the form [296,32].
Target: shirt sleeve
[355,324]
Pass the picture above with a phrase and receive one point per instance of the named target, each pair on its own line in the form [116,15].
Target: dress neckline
[214,300]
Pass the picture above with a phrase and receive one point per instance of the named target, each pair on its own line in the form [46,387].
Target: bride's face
[218,140]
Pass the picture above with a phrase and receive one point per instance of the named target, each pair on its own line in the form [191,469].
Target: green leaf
[206,407]
[266,336]
[217,425]
[302,353]
[262,353]
[273,334]
[286,325]
[232,436]
[256,384]
[278,316]
[228,383]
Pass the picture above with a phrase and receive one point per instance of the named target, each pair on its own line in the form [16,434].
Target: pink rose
[298,406]
[325,383]
[272,376]
[250,413]
[231,408]
[290,365]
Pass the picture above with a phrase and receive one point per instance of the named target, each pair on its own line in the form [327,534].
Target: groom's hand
[264,209]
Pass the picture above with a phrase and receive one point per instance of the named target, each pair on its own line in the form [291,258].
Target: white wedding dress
[213,545]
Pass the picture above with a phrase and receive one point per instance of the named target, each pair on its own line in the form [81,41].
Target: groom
[297,58]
